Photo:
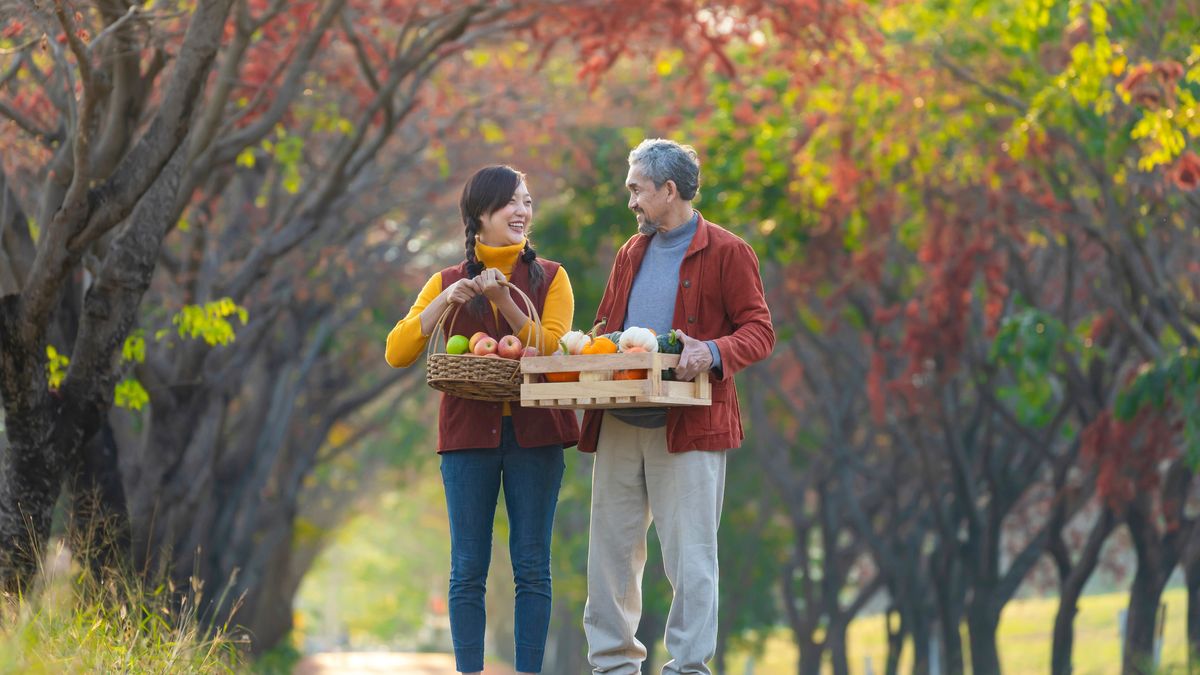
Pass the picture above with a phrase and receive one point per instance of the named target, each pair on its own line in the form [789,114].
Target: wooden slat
[586,362]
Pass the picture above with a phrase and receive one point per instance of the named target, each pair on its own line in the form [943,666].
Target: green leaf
[209,321]
[134,349]
[130,394]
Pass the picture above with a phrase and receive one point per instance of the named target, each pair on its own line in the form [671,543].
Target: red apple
[530,351]
[486,345]
[510,347]
[475,340]
[493,355]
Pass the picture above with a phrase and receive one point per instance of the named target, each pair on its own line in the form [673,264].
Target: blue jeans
[531,478]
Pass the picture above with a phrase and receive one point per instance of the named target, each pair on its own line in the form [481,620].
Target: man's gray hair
[662,160]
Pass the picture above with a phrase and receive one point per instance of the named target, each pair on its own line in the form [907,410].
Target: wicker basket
[481,378]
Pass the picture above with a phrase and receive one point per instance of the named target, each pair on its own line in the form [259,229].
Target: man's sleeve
[753,336]
[606,300]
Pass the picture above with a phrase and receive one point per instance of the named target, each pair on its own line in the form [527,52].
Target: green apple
[457,344]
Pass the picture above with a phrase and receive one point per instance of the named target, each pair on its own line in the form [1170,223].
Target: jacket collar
[637,249]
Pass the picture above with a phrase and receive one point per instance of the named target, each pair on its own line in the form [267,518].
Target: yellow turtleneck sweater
[407,342]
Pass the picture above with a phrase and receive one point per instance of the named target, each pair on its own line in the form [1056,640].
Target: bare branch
[227,76]
[139,168]
[991,92]
[114,27]
[285,94]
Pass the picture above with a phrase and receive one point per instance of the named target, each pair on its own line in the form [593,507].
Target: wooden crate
[597,389]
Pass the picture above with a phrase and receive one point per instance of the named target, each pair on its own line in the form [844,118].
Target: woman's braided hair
[490,188]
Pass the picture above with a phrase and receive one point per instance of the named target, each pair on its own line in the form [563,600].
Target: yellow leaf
[492,133]
[1118,65]
[245,158]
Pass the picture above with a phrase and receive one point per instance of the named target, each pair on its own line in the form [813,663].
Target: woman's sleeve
[406,341]
[557,314]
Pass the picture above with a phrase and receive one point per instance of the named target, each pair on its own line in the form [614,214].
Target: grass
[70,623]
[1024,639]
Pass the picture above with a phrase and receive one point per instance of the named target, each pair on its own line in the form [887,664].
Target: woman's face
[510,223]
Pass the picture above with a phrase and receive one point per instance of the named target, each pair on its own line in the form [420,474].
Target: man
[668,464]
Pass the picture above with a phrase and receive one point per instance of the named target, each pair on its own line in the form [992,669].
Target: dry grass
[71,624]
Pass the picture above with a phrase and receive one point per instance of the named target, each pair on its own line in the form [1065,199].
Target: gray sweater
[652,303]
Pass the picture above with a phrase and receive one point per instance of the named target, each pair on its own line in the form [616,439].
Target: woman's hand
[461,291]
[489,283]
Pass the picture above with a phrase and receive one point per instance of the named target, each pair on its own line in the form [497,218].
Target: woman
[484,446]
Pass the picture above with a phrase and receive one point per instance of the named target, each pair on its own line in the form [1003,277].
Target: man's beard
[646,227]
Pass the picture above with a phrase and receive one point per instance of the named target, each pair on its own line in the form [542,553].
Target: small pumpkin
[565,344]
[633,373]
[574,342]
[601,345]
[638,337]
[670,343]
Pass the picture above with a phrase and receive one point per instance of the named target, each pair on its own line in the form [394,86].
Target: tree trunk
[28,490]
[718,660]
[566,650]
[810,656]
[835,643]
[920,627]
[1140,619]
[982,624]
[949,610]
[1156,558]
[1193,622]
[1191,571]
[896,631]
[1062,652]
[268,608]
[1070,590]
[98,525]
[31,469]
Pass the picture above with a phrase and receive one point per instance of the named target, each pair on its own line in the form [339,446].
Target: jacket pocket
[716,416]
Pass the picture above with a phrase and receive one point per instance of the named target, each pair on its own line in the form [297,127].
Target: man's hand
[489,284]
[695,358]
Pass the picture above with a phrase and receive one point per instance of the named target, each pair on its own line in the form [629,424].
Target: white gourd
[638,337]
[575,341]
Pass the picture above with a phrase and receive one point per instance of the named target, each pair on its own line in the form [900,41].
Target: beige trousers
[635,480]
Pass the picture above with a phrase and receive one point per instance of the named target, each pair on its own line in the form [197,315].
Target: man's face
[648,203]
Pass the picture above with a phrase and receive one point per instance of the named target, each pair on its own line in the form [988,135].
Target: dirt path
[370,663]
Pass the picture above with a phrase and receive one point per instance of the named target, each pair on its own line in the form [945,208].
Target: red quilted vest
[465,423]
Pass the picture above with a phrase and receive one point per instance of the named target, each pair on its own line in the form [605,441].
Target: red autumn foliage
[1186,172]
[1153,84]
[1129,454]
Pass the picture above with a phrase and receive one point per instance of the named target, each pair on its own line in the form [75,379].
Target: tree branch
[139,168]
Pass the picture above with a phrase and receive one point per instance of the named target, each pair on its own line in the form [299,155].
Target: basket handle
[451,311]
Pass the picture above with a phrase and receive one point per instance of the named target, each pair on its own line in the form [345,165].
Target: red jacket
[720,298]
[466,423]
